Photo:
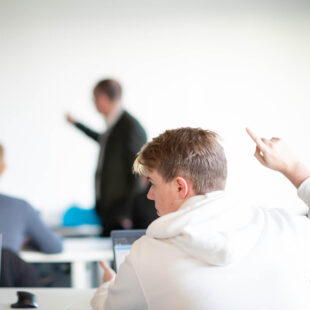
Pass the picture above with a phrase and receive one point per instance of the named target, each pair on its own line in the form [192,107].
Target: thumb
[109,273]
[259,157]
[104,265]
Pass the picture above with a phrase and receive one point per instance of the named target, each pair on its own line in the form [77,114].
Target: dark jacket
[118,185]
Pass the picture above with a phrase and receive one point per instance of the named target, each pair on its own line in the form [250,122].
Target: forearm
[89,132]
[40,236]
[46,241]
[304,192]
[49,247]
[296,173]
[99,299]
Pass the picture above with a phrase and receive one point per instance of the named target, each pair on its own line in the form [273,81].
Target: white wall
[181,63]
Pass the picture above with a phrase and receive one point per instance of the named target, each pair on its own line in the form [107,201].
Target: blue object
[76,216]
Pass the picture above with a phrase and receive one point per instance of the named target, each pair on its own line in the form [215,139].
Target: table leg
[79,275]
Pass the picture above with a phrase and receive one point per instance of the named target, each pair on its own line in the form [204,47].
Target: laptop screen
[122,241]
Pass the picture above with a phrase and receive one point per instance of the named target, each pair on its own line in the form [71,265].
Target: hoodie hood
[211,228]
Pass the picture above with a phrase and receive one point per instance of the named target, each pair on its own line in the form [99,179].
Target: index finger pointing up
[256,139]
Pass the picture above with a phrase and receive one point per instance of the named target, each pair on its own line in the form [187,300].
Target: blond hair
[193,153]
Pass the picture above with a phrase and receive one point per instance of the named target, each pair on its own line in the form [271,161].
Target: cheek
[99,107]
[169,202]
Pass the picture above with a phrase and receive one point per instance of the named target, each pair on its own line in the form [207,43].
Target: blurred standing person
[115,183]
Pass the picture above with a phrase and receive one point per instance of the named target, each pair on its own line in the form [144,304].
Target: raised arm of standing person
[274,154]
[89,132]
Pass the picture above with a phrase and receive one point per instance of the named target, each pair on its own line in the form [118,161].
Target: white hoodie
[214,254]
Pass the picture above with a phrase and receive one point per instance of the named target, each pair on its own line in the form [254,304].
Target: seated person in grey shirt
[20,224]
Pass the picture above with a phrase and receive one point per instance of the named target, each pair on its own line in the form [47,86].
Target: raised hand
[274,154]
[70,118]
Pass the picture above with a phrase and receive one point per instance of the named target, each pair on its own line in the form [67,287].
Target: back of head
[192,153]
[111,88]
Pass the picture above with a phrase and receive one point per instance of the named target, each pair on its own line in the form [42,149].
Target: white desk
[50,298]
[78,231]
[78,252]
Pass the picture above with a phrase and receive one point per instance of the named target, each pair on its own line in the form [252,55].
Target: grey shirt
[20,222]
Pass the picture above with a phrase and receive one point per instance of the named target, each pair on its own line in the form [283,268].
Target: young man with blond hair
[206,251]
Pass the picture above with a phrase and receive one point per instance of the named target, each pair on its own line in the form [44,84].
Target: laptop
[122,241]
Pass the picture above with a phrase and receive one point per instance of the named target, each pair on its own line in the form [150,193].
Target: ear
[182,186]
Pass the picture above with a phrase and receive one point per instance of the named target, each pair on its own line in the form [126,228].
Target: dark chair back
[15,272]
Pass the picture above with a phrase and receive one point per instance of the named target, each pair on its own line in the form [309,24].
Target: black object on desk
[25,300]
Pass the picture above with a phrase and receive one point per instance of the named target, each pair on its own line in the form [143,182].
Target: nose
[150,194]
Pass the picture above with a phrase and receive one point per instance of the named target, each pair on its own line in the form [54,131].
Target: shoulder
[138,246]
[126,116]
[144,249]
[282,214]
[130,121]
[13,201]
[285,220]
[129,129]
